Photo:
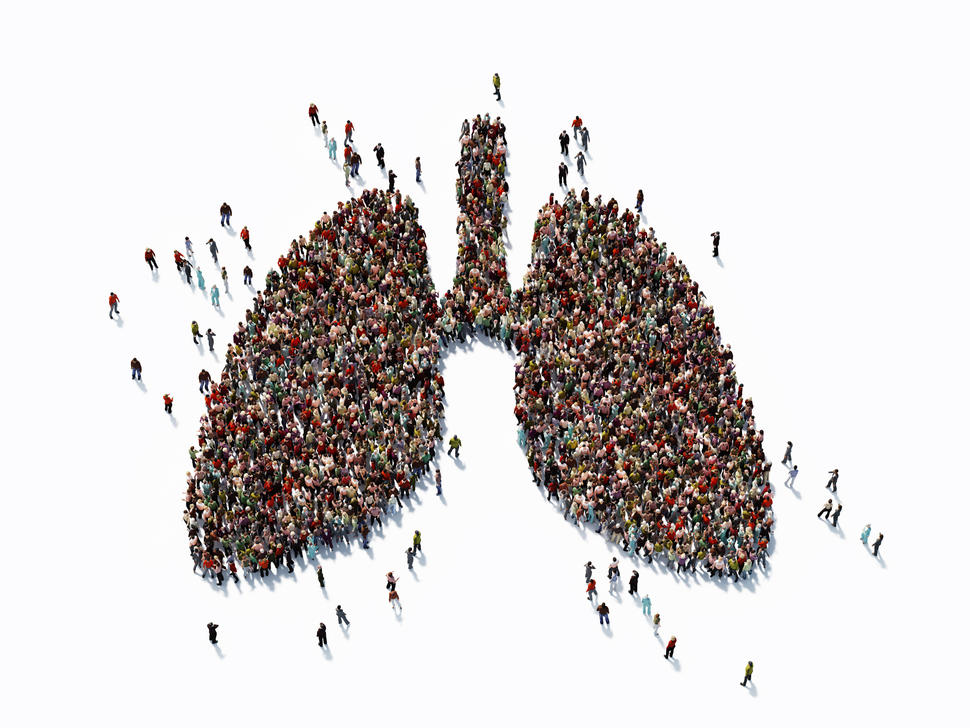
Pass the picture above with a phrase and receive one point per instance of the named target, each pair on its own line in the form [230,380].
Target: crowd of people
[327,410]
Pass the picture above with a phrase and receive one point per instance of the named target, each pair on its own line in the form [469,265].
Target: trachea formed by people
[329,408]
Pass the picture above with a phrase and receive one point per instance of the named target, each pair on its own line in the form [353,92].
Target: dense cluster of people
[327,410]
[630,411]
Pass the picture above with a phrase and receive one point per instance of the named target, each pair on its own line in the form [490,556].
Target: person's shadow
[752,690]
[118,320]
[325,649]
[607,630]
[141,386]
[173,420]
[719,261]
[675,662]
[218,650]
[421,185]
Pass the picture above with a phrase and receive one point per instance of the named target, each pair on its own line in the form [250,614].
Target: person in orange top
[113,305]
[348,131]
[244,234]
[577,125]
[167,398]
[591,590]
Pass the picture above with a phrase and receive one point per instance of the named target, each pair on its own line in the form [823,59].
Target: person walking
[748,670]
[497,83]
[656,623]
[576,125]
[564,143]
[332,149]
[640,201]
[226,212]
[792,474]
[604,612]
[244,235]
[416,541]
[213,251]
[323,130]
[787,459]
[716,235]
[225,278]
[320,579]
[584,138]
[113,305]
[167,399]
[189,250]
[314,118]
[200,279]
[214,295]
[355,161]
[379,153]
[589,571]
[454,444]
[833,481]
[417,170]
[835,515]
[342,616]
[876,544]
[645,605]
[195,332]
[865,534]
[390,180]
[322,635]
[437,481]
[135,368]
[247,276]
[150,259]
[634,581]
[591,591]
[212,627]
[563,171]
[670,648]
[826,509]
[210,336]
[205,379]
[394,600]
[410,554]
[348,132]
[581,162]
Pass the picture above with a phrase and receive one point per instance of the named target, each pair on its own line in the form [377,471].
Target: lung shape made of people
[330,400]
[329,406]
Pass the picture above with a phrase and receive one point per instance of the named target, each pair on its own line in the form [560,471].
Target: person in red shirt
[348,131]
[314,119]
[167,398]
[577,125]
[150,259]
[113,305]
[244,234]
[591,590]
[670,648]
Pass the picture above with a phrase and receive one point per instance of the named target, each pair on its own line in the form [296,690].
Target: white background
[827,142]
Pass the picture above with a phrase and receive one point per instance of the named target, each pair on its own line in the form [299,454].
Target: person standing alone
[226,212]
[497,83]
[716,235]
[314,118]
[748,669]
